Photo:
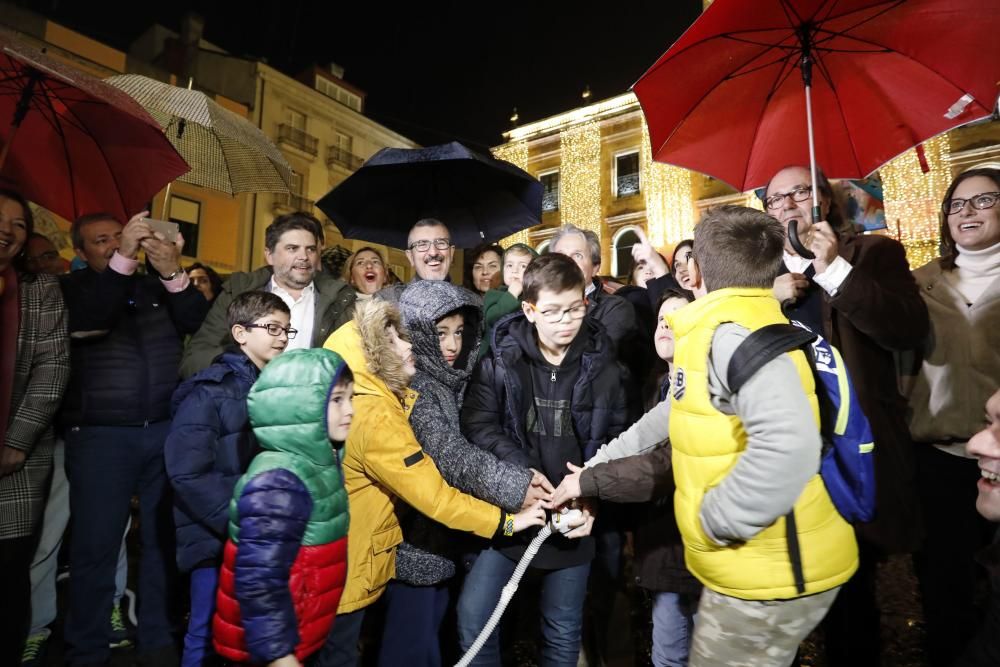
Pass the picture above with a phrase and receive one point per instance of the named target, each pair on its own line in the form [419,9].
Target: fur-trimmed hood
[365,345]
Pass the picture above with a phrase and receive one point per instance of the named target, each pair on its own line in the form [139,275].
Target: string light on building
[670,211]
[517,154]
[580,176]
[912,199]
[753,201]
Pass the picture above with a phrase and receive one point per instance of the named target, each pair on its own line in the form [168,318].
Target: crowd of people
[301,448]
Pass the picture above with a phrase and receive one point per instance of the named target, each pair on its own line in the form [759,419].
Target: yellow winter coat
[706,445]
[383,462]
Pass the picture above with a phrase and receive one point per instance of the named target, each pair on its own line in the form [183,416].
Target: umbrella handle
[796,243]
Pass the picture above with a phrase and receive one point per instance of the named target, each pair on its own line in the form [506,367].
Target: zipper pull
[553,378]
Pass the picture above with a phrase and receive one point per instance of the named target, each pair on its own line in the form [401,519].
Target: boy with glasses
[210,445]
[548,394]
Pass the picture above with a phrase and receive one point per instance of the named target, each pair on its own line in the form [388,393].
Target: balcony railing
[343,157]
[628,184]
[550,201]
[296,138]
[293,202]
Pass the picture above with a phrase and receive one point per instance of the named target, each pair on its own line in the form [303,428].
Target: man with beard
[430,251]
[319,302]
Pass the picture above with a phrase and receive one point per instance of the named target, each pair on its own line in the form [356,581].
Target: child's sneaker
[119,631]
[35,648]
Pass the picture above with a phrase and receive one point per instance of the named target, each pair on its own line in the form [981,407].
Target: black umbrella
[480,198]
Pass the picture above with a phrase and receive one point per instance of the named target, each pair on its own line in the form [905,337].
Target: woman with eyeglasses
[959,370]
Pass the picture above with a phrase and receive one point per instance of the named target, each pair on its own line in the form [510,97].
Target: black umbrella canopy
[480,198]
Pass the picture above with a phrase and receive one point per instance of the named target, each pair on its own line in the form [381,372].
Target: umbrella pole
[793,232]
[817,215]
[166,202]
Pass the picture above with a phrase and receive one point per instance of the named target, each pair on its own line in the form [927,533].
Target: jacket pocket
[382,565]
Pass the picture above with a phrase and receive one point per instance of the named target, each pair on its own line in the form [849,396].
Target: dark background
[433,71]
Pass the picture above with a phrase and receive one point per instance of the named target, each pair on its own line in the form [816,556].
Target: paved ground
[902,633]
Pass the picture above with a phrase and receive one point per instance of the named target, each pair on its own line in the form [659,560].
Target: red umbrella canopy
[727,99]
[75,144]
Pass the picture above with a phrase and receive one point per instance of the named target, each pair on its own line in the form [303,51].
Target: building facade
[316,119]
[595,165]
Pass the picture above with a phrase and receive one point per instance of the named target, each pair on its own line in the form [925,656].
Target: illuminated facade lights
[670,211]
[580,176]
[517,154]
[913,199]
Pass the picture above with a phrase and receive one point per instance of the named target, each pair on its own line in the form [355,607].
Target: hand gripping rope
[558,522]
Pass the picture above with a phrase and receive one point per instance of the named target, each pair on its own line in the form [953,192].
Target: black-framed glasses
[982,201]
[801,193]
[556,315]
[274,329]
[424,245]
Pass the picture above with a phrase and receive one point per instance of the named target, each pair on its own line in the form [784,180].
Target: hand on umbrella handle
[796,243]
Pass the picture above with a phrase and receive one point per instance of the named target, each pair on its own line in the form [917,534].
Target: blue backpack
[847,466]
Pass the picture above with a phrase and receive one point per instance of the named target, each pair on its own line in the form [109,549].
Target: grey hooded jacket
[426,555]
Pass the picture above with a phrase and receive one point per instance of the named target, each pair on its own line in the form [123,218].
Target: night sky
[434,71]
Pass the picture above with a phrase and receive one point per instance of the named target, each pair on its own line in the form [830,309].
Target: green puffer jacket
[285,563]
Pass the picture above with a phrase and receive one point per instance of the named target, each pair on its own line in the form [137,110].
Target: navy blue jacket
[209,447]
[126,337]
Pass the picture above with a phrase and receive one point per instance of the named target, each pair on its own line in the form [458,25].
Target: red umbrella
[74,144]
[731,97]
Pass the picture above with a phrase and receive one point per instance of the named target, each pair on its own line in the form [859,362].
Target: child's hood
[421,305]
[287,404]
[365,345]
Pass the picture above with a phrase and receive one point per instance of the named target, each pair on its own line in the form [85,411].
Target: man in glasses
[430,252]
[319,303]
[857,293]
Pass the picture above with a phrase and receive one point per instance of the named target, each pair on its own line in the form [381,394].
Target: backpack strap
[795,552]
[760,347]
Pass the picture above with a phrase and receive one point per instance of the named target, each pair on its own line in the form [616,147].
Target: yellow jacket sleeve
[399,464]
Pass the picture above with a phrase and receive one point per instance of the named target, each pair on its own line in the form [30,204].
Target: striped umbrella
[226,152]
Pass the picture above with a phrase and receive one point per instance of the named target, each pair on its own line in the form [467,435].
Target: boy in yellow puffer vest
[759,528]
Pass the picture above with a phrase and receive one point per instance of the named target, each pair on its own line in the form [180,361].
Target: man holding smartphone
[126,332]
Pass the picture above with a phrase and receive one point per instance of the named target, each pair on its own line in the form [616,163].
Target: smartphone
[168,229]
